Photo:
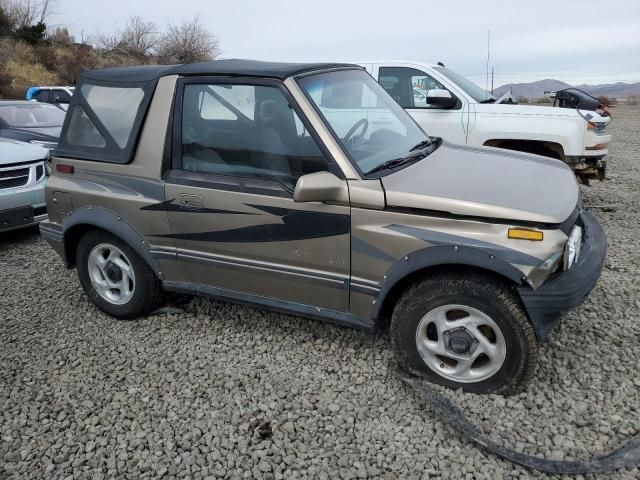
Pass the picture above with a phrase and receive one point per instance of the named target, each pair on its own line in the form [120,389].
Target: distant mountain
[537,89]
[619,89]
[532,89]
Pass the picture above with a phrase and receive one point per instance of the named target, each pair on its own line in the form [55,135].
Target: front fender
[442,255]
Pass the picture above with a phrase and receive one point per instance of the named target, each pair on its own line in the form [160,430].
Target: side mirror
[321,187]
[441,98]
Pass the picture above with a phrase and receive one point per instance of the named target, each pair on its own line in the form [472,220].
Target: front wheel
[465,331]
[115,277]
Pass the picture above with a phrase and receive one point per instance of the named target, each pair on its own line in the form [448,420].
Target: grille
[18,172]
[13,182]
[39,172]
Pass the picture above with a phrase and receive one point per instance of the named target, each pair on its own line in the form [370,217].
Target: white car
[448,105]
[23,170]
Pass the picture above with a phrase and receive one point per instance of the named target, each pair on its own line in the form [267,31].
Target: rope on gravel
[627,455]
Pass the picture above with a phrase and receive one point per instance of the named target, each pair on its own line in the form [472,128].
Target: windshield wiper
[423,144]
[417,152]
[392,163]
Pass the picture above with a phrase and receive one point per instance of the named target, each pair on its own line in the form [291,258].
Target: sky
[580,41]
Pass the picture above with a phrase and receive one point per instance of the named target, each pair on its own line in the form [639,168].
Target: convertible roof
[235,67]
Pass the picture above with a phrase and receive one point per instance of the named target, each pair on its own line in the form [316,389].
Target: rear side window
[116,108]
[104,121]
[82,132]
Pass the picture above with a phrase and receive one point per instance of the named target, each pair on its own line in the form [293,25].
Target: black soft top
[234,67]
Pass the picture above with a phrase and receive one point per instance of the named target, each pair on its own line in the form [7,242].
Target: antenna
[488,57]
[493,69]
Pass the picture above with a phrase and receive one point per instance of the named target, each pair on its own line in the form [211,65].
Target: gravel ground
[219,390]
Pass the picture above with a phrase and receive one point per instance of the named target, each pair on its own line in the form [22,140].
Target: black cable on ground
[626,456]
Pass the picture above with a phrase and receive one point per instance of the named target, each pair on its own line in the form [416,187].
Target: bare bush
[26,13]
[60,36]
[188,42]
[137,39]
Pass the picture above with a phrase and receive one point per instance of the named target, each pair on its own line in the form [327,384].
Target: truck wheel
[115,277]
[465,332]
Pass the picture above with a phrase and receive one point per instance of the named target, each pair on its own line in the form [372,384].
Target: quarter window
[408,86]
[116,108]
[248,131]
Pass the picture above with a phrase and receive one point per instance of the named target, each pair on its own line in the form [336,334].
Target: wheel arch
[528,146]
[97,218]
[435,260]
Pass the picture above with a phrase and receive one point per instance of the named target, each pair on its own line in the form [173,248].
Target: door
[238,149]
[409,87]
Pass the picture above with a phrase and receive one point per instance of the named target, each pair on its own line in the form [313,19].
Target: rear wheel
[465,332]
[115,277]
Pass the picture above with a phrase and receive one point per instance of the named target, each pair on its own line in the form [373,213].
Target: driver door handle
[190,202]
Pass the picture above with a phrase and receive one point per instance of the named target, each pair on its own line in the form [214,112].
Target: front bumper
[570,288]
[52,233]
[22,217]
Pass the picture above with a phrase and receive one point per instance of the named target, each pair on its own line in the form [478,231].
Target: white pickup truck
[449,105]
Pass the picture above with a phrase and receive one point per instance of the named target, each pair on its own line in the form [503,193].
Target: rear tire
[116,279]
[465,331]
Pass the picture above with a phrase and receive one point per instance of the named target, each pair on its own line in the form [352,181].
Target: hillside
[537,89]
[532,89]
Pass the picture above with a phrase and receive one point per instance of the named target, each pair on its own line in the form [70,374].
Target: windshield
[369,124]
[473,90]
[32,115]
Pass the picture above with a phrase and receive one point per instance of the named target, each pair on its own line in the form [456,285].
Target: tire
[442,325]
[140,290]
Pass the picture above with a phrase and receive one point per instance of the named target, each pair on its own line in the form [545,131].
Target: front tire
[116,279]
[465,331]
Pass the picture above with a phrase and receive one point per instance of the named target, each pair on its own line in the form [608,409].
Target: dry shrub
[12,50]
[24,75]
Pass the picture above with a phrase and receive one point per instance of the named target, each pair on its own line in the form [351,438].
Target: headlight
[598,127]
[572,247]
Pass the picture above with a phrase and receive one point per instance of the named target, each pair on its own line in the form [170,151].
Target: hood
[13,151]
[536,110]
[486,182]
[49,134]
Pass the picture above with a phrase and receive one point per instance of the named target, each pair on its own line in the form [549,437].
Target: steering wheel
[362,123]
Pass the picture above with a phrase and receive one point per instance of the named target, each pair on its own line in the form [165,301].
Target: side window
[60,96]
[408,86]
[115,107]
[82,132]
[42,96]
[248,131]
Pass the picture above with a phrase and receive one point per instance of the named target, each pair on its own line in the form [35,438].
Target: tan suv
[306,189]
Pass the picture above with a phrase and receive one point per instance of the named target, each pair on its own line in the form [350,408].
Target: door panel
[261,244]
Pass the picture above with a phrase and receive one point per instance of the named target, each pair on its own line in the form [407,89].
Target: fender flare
[116,225]
[442,255]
